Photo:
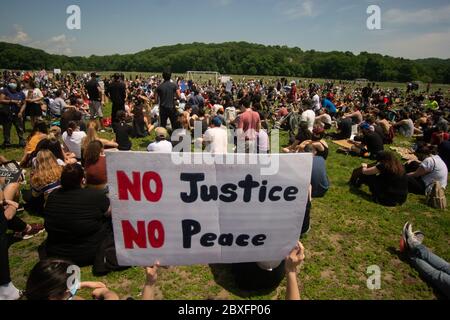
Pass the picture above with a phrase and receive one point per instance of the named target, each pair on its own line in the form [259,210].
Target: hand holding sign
[205,213]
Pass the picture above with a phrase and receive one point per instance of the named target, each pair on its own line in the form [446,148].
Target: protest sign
[205,213]
[11,171]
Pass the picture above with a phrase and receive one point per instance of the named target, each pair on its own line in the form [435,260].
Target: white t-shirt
[316,103]
[163,146]
[218,140]
[310,117]
[438,171]
[73,142]
[37,93]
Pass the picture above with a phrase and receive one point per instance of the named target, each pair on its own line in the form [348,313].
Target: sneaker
[103,131]
[6,145]
[35,230]
[403,240]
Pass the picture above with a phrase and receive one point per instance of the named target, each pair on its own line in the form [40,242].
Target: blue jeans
[434,269]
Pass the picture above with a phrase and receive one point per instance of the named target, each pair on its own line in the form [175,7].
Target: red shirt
[438,137]
[96,173]
[249,121]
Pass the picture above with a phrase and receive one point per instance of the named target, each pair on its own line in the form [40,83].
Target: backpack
[435,196]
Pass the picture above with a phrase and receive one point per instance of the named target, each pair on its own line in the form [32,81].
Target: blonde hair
[46,170]
[91,134]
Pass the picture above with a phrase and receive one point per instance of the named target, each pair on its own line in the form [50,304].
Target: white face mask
[12,86]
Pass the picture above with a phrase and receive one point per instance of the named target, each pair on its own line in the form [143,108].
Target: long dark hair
[92,153]
[391,163]
[48,280]
[39,126]
[52,144]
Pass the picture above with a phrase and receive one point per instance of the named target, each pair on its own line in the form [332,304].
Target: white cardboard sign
[205,213]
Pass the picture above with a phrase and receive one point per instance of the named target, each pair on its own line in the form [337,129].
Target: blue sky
[410,28]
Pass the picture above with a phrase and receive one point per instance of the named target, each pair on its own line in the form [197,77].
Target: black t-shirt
[75,222]
[92,90]
[392,188]
[116,91]
[345,128]
[373,143]
[167,94]
[123,132]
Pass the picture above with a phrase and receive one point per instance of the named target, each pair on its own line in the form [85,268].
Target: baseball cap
[161,132]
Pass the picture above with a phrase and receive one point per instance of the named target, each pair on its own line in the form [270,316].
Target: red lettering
[130,236]
[125,186]
[149,194]
[153,227]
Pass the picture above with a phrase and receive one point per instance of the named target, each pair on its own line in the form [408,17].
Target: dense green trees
[239,58]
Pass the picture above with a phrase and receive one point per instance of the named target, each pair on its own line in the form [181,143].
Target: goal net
[203,77]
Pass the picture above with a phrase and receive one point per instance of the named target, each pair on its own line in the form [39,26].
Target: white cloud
[19,37]
[299,9]
[60,44]
[420,16]
[426,45]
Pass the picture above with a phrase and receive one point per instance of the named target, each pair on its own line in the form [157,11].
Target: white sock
[9,292]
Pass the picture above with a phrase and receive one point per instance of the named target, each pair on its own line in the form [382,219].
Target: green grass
[349,234]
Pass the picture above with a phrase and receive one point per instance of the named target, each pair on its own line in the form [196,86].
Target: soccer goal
[203,76]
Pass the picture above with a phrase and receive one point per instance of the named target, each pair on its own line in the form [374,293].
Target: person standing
[166,93]
[12,108]
[117,92]
[96,102]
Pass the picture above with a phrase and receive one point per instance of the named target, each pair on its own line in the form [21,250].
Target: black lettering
[190,228]
[259,240]
[208,240]
[226,240]
[230,190]
[242,240]
[272,192]
[248,185]
[212,195]
[289,193]
[263,191]
[193,178]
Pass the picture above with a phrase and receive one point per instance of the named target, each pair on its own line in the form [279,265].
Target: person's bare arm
[148,292]
[10,208]
[295,258]
[369,171]
[419,172]
[104,294]
[4,99]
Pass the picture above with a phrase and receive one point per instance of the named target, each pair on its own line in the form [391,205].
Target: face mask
[12,86]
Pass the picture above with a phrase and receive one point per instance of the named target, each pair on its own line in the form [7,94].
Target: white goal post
[203,76]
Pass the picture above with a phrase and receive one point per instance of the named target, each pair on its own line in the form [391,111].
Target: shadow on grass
[362,194]
[251,276]
[405,259]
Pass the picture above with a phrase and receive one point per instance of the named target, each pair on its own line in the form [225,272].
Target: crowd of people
[65,155]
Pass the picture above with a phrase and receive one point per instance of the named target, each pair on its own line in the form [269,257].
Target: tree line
[238,58]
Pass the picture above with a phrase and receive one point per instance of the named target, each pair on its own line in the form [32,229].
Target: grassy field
[349,233]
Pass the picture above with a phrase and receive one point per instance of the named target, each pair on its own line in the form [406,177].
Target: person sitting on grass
[92,130]
[161,145]
[95,166]
[318,146]
[435,270]
[54,146]
[387,180]
[24,231]
[423,174]
[369,144]
[72,139]
[303,135]
[45,178]
[76,219]
[40,132]
[123,131]
[49,280]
